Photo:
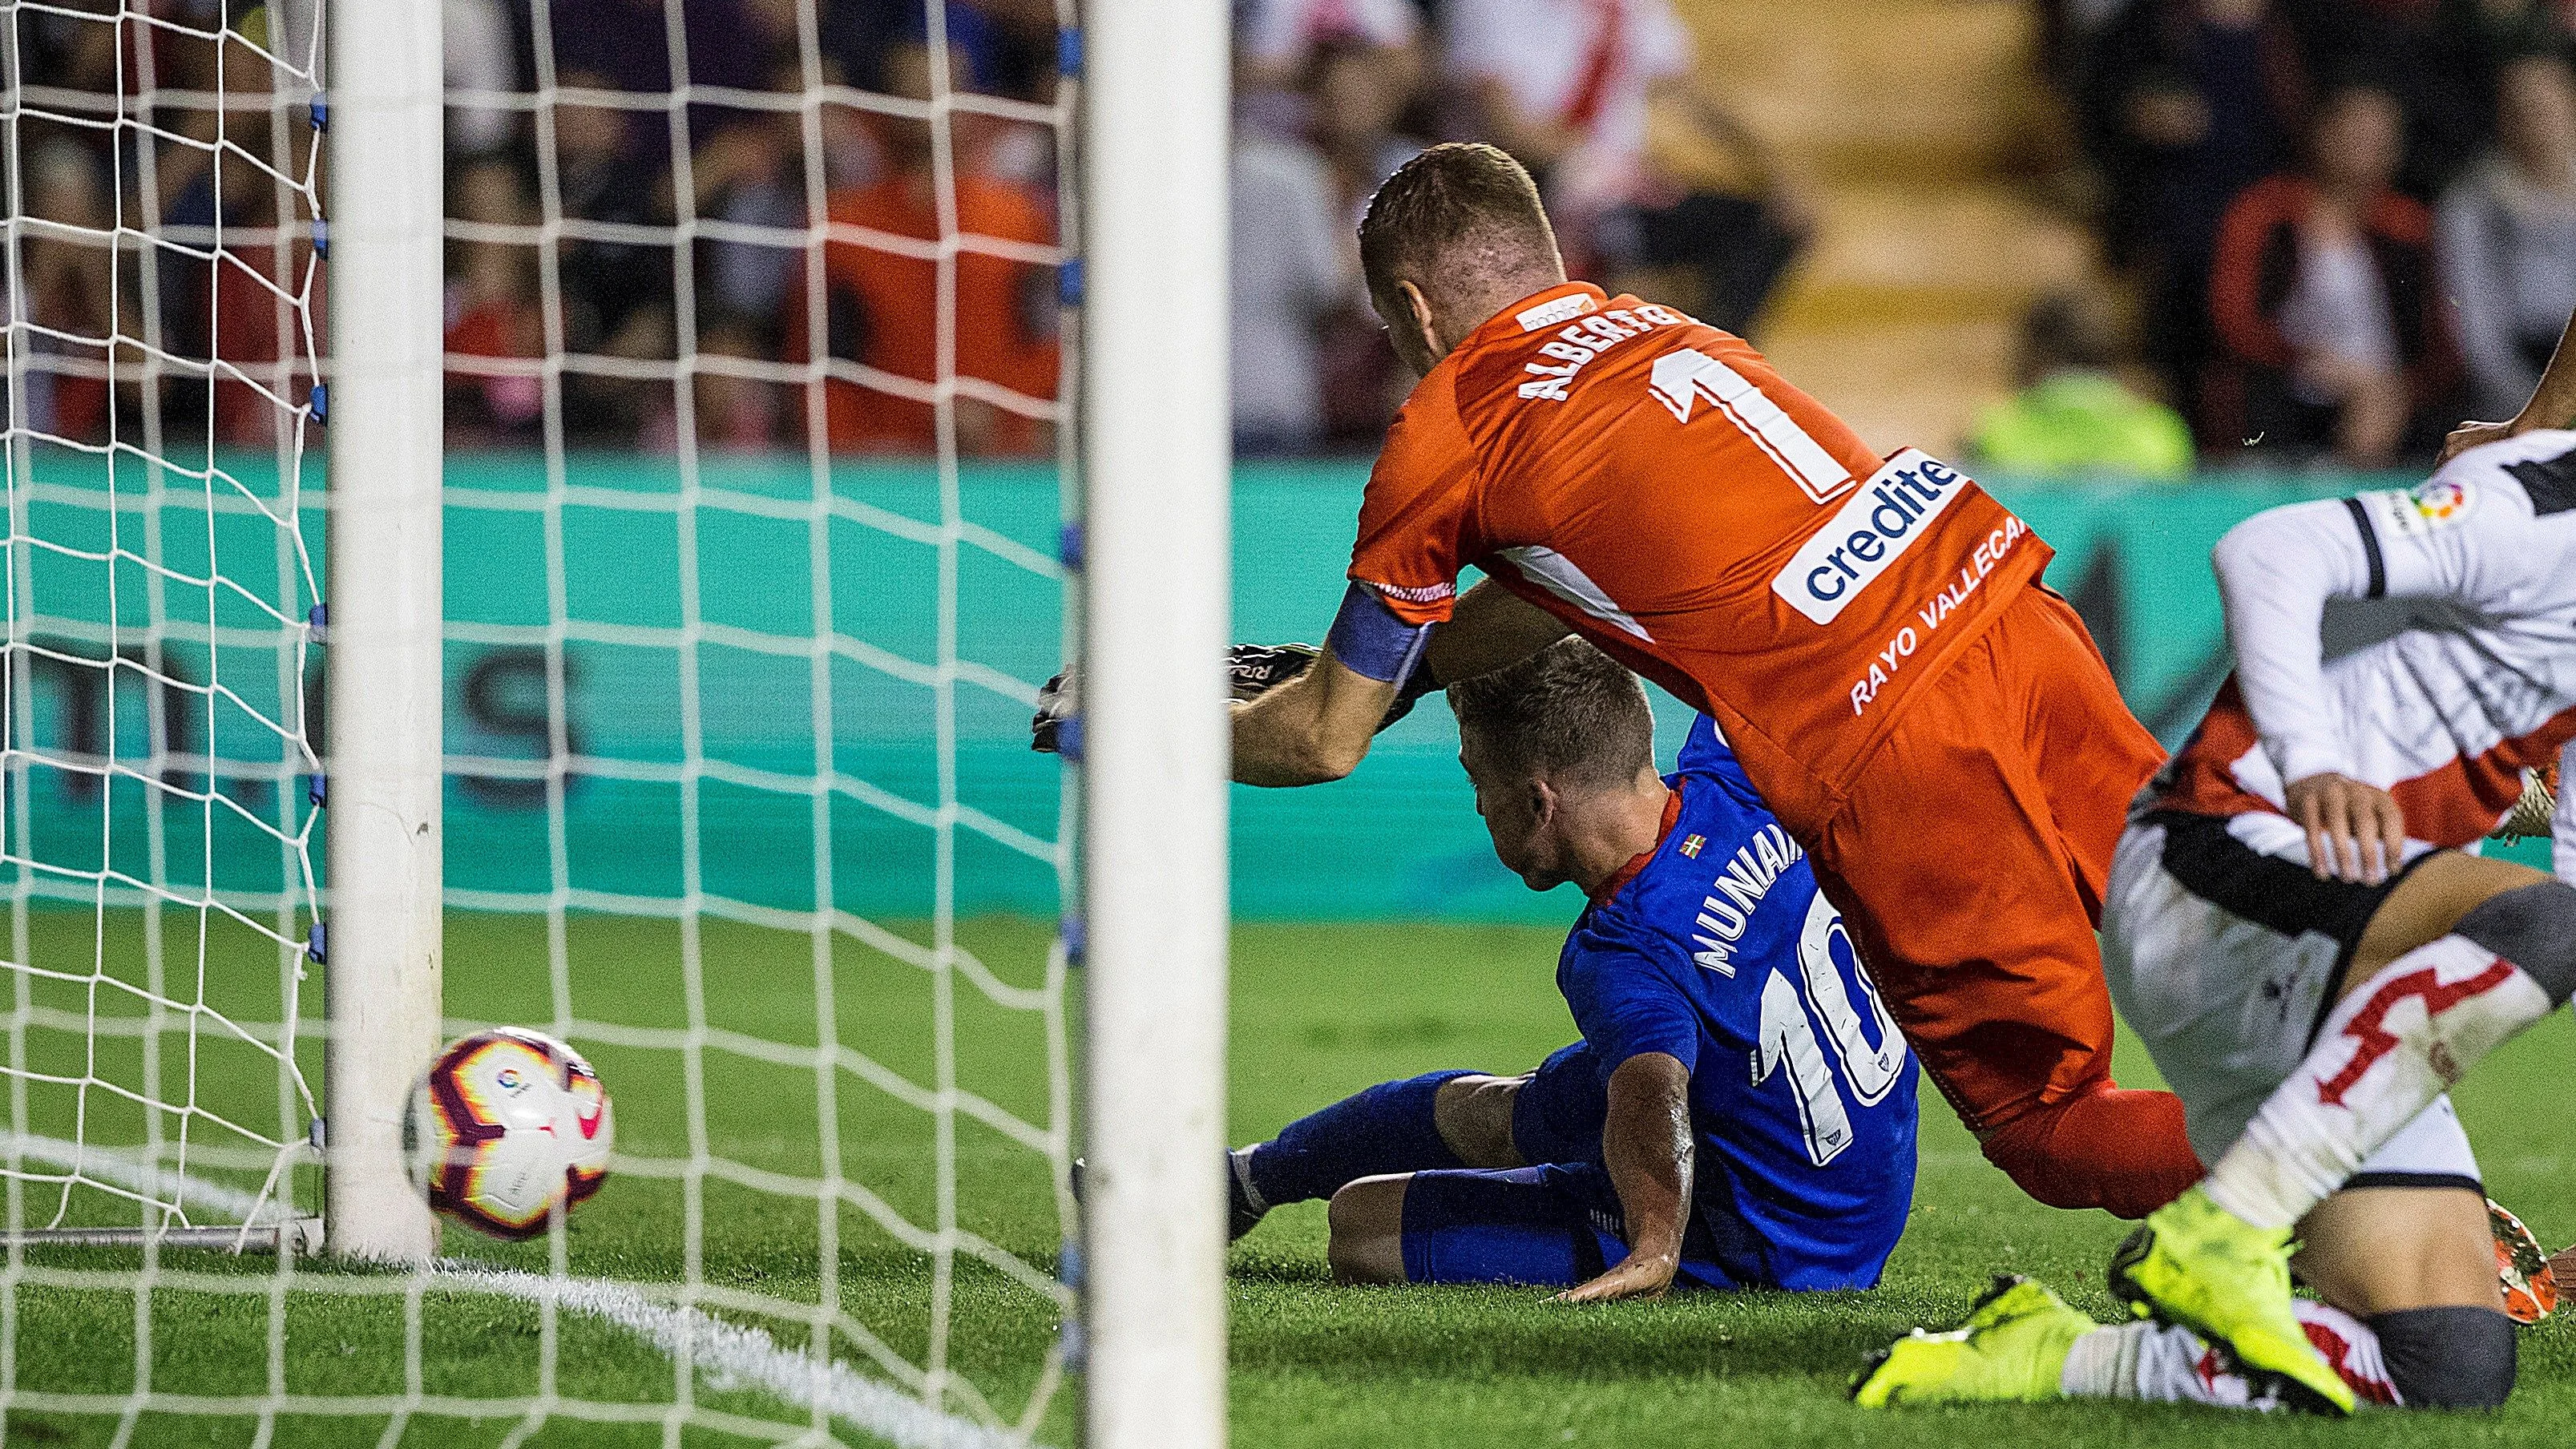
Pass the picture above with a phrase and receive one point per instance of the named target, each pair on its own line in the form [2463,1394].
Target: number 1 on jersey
[1683,377]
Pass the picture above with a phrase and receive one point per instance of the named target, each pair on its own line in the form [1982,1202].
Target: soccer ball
[507,1124]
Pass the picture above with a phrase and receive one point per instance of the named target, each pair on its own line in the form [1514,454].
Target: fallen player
[2297,931]
[1740,1111]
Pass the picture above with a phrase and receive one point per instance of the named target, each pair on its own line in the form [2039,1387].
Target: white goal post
[383,130]
[1156,602]
[381,764]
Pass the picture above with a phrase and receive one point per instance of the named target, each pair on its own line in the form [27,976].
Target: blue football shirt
[1721,952]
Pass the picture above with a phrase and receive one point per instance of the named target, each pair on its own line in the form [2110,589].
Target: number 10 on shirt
[1788,1035]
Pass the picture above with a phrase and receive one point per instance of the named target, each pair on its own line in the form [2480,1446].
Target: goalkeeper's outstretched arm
[1317,726]
[1314,728]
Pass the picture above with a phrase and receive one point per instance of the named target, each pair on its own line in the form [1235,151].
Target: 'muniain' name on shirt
[1587,339]
[1728,908]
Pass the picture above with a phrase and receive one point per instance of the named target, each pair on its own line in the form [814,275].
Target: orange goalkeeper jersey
[1651,481]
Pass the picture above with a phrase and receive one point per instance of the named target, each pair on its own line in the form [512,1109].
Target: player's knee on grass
[2448,1358]
[2534,927]
[1367,1223]
[2124,1152]
[1474,1114]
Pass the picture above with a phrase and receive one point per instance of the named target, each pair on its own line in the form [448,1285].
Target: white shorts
[2224,953]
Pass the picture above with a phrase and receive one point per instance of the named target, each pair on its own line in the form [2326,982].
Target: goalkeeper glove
[1251,670]
[1256,669]
[1056,729]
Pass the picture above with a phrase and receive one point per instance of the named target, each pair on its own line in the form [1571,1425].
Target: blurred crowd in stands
[660,253]
[2351,222]
[2346,223]
[1333,95]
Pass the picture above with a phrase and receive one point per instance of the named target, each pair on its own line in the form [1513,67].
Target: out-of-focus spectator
[2186,103]
[730,411]
[74,51]
[1279,41]
[2069,33]
[617,290]
[1360,96]
[68,283]
[1289,53]
[264,263]
[2073,413]
[1360,103]
[1001,47]
[2401,47]
[1565,85]
[992,49]
[493,315]
[480,55]
[1289,271]
[1568,87]
[628,44]
[884,303]
[602,175]
[2507,237]
[258,336]
[2483,38]
[2332,333]
[750,174]
[861,34]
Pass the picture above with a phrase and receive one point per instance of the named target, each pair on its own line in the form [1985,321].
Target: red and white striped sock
[2158,1363]
[2385,1052]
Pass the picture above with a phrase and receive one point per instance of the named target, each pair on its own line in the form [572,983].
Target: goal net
[754,387]
[156,724]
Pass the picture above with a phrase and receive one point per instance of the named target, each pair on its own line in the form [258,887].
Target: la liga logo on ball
[506,1126]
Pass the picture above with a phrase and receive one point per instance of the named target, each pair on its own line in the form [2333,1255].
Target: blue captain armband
[1370,640]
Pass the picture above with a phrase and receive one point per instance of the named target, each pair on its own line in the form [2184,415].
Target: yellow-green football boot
[2195,1264]
[2012,1349]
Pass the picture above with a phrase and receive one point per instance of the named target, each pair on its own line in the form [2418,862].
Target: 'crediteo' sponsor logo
[1868,534]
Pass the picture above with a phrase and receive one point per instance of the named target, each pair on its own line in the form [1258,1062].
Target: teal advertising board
[735,686]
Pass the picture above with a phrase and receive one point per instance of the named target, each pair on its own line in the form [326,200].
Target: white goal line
[732,1355]
[729,1355]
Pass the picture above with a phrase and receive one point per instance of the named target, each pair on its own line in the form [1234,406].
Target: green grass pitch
[1319,1010]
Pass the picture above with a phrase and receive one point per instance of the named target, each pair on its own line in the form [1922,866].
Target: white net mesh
[752,512]
[159,847]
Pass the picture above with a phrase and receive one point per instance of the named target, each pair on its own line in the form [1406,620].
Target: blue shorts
[1558,1115]
[1553,1225]
[1560,1223]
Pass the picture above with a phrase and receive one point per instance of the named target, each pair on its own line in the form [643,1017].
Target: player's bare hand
[1640,1275]
[2356,832]
[2471,435]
